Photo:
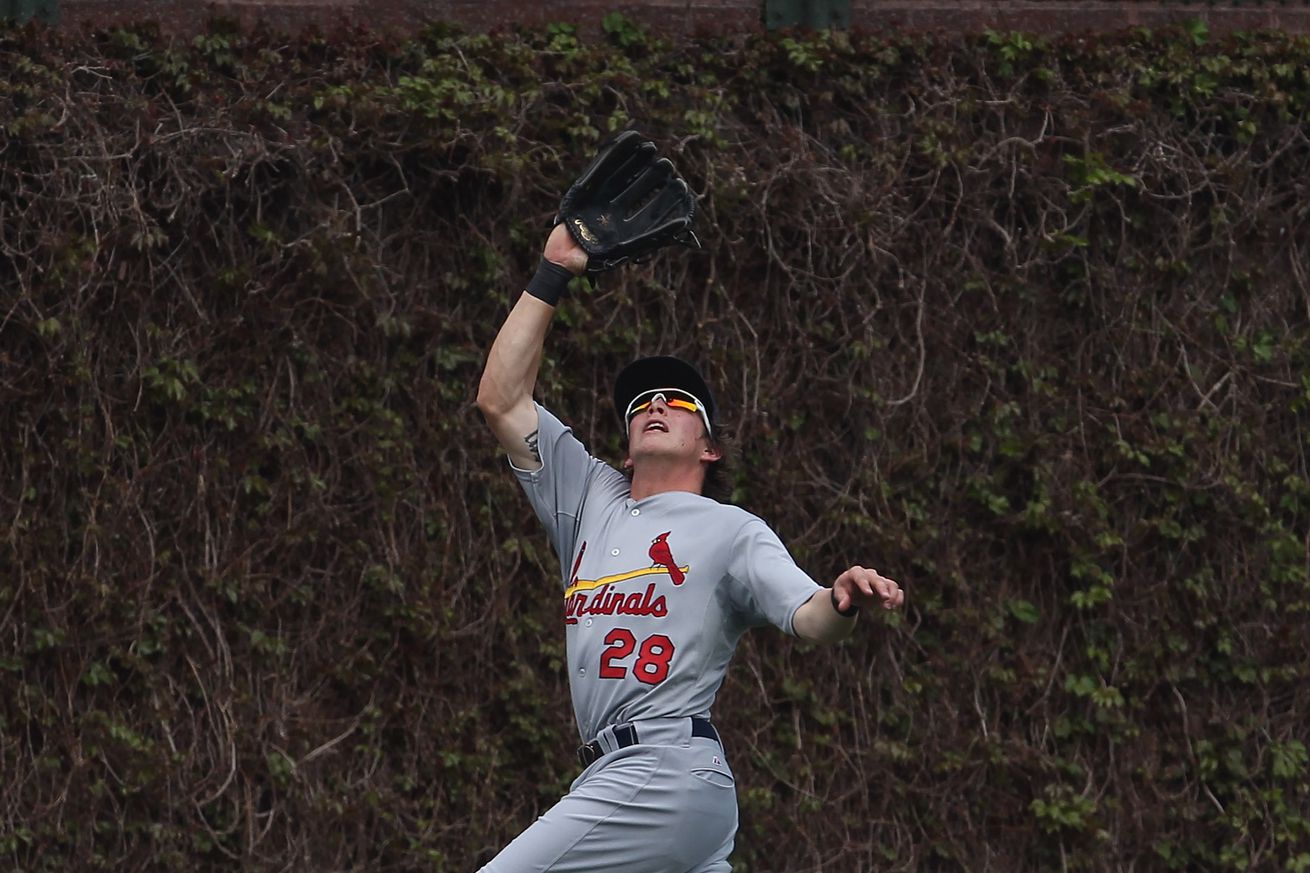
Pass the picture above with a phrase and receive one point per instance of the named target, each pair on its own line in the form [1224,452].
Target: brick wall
[693,16]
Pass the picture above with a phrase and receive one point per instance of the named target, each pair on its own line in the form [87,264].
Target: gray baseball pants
[665,805]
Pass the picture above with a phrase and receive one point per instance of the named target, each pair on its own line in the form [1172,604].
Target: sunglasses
[673,398]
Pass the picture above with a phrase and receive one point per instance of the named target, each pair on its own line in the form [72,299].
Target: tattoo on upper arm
[531,440]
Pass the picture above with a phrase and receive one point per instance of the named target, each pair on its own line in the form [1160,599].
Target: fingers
[640,187]
[621,155]
[624,167]
[866,586]
[670,205]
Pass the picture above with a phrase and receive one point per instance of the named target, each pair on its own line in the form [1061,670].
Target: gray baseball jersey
[656,592]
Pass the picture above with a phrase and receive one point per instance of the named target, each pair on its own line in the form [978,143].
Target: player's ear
[712,453]
[627,462]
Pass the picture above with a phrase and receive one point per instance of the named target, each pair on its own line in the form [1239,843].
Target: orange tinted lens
[672,402]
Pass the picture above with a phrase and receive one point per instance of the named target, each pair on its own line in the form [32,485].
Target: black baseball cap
[661,371]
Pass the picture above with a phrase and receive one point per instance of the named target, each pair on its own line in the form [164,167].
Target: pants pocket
[718,777]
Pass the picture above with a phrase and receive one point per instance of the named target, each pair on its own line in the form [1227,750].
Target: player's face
[667,423]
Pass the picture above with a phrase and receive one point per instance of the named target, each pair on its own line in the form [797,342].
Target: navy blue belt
[626,735]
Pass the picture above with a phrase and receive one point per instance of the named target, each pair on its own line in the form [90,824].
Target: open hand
[865,587]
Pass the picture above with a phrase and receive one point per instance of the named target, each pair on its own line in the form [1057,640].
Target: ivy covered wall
[1020,321]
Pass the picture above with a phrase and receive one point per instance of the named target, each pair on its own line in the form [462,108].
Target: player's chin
[651,440]
[664,439]
[657,450]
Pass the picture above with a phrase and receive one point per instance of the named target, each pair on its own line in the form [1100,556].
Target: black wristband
[850,612]
[550,283]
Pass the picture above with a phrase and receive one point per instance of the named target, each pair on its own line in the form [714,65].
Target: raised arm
[505,392]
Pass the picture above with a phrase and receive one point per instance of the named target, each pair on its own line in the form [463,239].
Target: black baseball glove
[627,203]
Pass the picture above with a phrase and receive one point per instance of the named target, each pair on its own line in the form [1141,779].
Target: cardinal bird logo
[662,556]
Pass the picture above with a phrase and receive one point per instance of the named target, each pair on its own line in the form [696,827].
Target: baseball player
[658,585]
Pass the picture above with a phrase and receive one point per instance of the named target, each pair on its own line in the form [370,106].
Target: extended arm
[818,619]
[505,392]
